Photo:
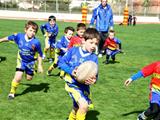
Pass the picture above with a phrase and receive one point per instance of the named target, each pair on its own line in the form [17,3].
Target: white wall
[5,14]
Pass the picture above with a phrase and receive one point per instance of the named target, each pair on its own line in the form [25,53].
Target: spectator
[104,21]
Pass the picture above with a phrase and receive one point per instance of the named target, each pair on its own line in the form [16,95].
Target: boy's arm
[40,68]
[146,71]
[39,59]
[55,33]
[5,39]
[42,29]
[134,77]
[63,62]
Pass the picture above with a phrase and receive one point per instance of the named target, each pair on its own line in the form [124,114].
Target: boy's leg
[78,96]
[72,115]
[157,117]
[107,59]
[54,64]
[154,108]
[15,83]
[62,73]
[83,108]
[46,47]
[113,58]
[150,112]
[52,50]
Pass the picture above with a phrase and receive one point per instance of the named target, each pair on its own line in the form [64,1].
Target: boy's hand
[91,80]
[127,82]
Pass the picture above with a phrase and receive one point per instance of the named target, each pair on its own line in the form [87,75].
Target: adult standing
[104,21]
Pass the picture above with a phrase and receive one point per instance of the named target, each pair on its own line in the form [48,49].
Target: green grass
[44,98]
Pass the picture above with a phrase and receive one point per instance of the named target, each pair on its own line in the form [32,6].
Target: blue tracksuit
[103,17]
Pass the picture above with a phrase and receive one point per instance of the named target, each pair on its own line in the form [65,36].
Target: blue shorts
[111,52]
[155,98]
[76,93]
[29,67]
[51,43]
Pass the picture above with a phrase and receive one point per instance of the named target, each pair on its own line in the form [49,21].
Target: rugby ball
[85,70]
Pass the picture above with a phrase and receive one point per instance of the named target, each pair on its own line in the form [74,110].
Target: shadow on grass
[92,115]
[111,62]
[2,58]
[35,87]
[53,74]
[133,112]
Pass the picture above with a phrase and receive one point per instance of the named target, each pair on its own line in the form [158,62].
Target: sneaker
[49,73]
[141,117]
[11,96]
[100,55]
[106,62]
[50,60]
[43,57]
[91,106]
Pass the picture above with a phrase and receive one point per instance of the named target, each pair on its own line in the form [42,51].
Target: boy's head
[68,31]
[81,27]
[111,34]
[52,20]
[31,28]
[91,39]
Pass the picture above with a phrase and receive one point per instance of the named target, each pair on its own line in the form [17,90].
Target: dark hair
[68,28]
[81,26]
[32,24]
[51,18]
[111,31]
[91,33]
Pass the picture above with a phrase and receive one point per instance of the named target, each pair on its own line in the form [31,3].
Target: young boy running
[112,46]
[50,32]
[154,98]
[78,38]
[61,47]
[80,93]
[28,46]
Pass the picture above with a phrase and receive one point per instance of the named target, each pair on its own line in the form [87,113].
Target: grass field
[44,98]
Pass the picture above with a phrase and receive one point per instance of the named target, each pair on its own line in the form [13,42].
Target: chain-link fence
[136,7]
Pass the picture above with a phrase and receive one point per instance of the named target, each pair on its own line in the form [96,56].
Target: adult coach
[104,21]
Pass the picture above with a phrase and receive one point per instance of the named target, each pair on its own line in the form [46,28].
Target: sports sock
[52,53]
[62,73]
[80,116]
[72,116]
[45,51]
[51,67]
[14,86]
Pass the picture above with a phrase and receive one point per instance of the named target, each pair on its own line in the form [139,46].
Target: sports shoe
[43,57]
[50,60]
[141,117]
[49,72]
[11,96]
[106,62]
[91,106]
[100,55]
